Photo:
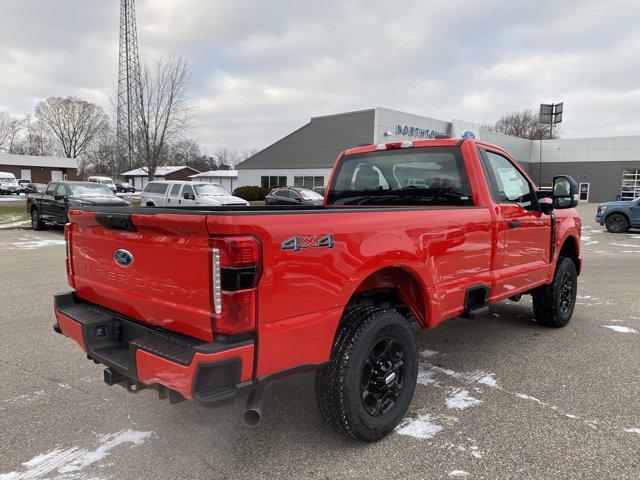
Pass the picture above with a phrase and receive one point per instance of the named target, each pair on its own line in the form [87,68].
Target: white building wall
[228,183]
[249,177]
[599,149]
[389,126]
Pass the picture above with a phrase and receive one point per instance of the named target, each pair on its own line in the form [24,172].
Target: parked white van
[106,181]
[8,184]
[185,194]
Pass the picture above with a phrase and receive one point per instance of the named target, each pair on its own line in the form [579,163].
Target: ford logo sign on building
[123,258]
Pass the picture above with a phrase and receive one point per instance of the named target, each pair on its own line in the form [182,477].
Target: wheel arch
[618,212]
[401,285]
[570,249]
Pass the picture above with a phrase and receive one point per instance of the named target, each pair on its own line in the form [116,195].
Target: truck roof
[438,142]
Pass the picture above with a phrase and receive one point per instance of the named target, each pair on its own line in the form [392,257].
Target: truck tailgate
[166,284]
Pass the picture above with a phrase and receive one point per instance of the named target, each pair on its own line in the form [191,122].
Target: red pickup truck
[204,303]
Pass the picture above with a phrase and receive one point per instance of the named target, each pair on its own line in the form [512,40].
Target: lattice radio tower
[129,86]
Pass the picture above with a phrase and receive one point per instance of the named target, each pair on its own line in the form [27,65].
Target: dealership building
[605,167]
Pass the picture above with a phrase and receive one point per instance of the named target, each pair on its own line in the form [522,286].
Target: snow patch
[21,223]
[633,430]
[27,244]
[621,329]
[426,353]
[458,473]
[63,464]
[461,400]
[422,427]
[524,396]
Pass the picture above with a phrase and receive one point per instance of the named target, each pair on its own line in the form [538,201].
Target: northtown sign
[416,132]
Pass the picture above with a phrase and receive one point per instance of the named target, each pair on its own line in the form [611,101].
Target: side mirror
[565,192]
[58,197]
[189,196]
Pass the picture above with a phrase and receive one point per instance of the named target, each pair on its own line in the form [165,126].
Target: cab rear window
[155,187]
[418,176]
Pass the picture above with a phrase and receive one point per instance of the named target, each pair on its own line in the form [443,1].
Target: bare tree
[163,112]
[9,129]
[75,123]
[102,157]
[226,158]
[523,124]
[34,138]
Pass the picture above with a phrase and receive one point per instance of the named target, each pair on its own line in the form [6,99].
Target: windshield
[310,194]
[209,190]
[8,181]
[417,176]
[106,181]
[90,190]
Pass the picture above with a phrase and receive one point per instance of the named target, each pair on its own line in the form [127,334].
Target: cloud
[262,69]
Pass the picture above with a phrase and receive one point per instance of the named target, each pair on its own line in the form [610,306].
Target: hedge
[251,193]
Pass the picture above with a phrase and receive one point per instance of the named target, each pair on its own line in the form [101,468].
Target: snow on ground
[461,400]
[18,224]
[633,430]
[458,473]
[621,329]
[422,427]
[67,464]
[32,241]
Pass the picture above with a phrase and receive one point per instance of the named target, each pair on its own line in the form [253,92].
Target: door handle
[515,224]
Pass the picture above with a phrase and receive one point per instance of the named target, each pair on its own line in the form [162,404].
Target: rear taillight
[69,261]
[235,271]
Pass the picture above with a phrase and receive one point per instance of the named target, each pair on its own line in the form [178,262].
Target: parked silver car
[185,194]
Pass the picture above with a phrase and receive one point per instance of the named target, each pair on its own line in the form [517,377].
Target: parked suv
[124,187]
[185,194]
[9,184]
[106,181]
[618,217]
[293,196]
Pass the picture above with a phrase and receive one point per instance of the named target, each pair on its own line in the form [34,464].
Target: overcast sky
[262,68]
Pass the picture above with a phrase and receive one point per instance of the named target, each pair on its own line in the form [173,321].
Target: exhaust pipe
[253,411]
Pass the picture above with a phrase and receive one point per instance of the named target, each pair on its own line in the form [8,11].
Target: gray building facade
[605,167]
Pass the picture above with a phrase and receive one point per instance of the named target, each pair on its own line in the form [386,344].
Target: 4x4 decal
[298,243]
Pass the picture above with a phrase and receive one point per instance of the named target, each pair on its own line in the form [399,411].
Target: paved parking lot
[499,396]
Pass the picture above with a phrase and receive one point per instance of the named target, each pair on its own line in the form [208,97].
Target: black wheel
[617,223]
[553,304]
[366,389]
[36,221]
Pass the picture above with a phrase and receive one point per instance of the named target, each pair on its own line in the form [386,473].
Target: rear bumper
[138,356]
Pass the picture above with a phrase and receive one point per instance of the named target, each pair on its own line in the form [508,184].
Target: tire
[617,223]
[36,221]
[553,304]
[367,387]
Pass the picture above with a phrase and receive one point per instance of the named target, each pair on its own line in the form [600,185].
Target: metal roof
[318,143]
[216,174]
[37,161]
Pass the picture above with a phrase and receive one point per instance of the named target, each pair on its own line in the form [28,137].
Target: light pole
[550,114]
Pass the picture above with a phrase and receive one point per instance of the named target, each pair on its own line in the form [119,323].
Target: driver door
[59,204]
[524,233]
[188,197]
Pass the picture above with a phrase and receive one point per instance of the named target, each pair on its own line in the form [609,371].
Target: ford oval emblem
[123,258]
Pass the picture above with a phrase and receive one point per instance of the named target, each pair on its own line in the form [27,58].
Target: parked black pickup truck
[52,206]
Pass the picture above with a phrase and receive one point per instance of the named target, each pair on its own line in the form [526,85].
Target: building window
[308,182]
[630,184]
[272,182]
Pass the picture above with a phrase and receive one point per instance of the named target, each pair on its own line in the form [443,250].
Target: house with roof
[39,169]
[139,177]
